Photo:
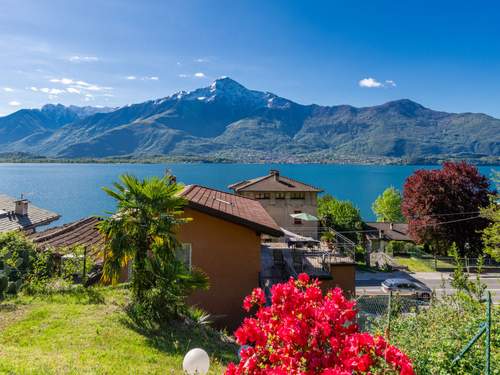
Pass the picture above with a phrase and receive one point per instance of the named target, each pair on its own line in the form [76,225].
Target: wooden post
[84,271]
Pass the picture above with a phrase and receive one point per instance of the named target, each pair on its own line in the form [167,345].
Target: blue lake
[74,190]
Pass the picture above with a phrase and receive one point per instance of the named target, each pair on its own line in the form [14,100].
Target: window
[262,195]
[298,195]
[280,195]
[297,221]
[183,254]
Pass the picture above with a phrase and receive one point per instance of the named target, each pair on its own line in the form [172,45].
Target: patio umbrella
[304,216]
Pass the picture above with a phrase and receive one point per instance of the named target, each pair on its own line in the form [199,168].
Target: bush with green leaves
[342,216]
[72,263]
[16,256]
[169,284]
[434,336]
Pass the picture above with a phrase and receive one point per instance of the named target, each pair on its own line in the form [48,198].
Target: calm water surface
[74,190]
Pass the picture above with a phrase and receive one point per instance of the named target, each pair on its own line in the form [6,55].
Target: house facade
[282,197]
[224,240]
[379,234]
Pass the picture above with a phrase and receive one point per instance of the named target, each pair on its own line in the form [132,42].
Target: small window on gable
[298,195]
[280,195]
[183,254]
[262,195]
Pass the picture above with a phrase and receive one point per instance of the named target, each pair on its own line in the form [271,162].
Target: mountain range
[228,121]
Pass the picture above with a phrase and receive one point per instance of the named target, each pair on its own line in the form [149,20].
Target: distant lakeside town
[21,157]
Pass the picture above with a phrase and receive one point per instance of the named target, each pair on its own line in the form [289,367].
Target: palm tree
[143,227]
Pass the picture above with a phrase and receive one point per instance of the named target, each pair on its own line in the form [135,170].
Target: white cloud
[89,97]
[14,103]
[73,90]
[373,83]
[80,85]
[33,88]
[370,83]
[195,75]
[64,81]
[78,59]
[202,60]
[46,90]
[145,78]
[8,89]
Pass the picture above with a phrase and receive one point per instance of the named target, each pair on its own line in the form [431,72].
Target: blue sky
[442,54]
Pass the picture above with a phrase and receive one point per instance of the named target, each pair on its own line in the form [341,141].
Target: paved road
[369,283]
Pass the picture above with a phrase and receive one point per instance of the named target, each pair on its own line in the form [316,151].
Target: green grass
[88,332]
[422,265]
[414,264]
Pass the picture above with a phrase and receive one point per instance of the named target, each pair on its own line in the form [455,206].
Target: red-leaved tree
[305,332]
[442,206]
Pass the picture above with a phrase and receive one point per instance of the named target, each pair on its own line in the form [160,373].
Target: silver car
[407,288]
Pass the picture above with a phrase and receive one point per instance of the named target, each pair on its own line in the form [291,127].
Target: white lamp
[196,362]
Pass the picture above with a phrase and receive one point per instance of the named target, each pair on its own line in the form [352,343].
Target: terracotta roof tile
[231,207]
[82,232]
[273,182]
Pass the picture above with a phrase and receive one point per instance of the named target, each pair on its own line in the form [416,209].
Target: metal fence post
[389,313]
[488,335]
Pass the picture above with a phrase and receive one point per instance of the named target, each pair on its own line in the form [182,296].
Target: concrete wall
[230,255]
[344,277]
[281,209]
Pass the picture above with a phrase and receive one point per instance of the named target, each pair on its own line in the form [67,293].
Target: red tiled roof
[274,181]
[231,207]
[82,232]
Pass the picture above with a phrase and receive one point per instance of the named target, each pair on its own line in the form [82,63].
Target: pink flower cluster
[305,332]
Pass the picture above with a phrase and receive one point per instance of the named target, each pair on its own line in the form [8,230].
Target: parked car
[407,287]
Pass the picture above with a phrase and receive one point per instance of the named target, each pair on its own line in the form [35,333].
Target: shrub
[434,336]
[169,283]
[16,256]
[4,282]
[304,332]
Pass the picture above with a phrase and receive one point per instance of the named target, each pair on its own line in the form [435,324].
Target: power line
[376,230]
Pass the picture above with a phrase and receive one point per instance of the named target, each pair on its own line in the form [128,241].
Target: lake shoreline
[74,190]
[427,162]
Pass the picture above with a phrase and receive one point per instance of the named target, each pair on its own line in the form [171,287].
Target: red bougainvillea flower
[305,332]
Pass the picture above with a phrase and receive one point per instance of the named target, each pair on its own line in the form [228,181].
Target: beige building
[281,197]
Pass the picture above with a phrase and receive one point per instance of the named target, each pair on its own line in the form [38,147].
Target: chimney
[21,207]
[275,173]
[391,226]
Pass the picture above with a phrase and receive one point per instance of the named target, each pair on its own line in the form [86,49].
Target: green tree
[387,206]
[342,216]
[143,231]
[491,234]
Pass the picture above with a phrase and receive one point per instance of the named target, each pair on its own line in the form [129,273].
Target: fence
[385,306]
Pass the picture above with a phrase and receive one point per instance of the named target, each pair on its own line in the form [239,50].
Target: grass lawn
[88,332]
[421,265]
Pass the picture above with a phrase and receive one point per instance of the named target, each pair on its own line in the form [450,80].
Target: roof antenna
[170,176]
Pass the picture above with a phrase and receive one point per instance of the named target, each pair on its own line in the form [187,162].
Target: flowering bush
[304,332]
